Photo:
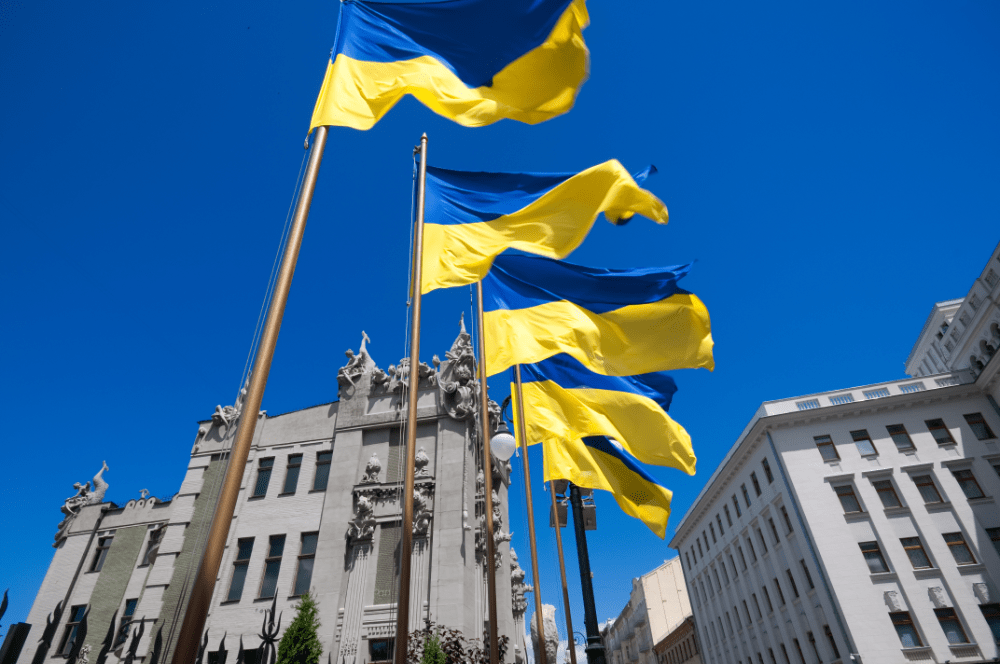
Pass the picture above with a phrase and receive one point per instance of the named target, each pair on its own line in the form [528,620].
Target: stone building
[860,524]
[319,511]
[680,646]
[657,605]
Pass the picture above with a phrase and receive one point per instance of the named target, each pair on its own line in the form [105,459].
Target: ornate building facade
[319,511]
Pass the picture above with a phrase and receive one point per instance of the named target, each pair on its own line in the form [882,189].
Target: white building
[861,524]
[657,605]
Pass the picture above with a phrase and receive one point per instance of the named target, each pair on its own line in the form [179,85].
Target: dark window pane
[908,636]
[270,582]
[915,551]
[322,470]
[304,575]
[887,493]
[767,470]
[959,549]
[236,585]
[292,473]
[979,426]
[756,484]
[951,625]
[864,443]
[900,437]
[925,483]
[263,479]
[873,556]
[246,548]
[992,614]
[277,546]
[847,499]
[966,480]
[994,535]
[940,432]
[827,448]
[309,541]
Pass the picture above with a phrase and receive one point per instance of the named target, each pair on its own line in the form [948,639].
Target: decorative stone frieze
[84,496]
[362,526]
[372,469]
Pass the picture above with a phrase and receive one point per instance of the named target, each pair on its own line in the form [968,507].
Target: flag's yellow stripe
[539,85]
[592,469]
[552,226]
[642,427]
[674,333]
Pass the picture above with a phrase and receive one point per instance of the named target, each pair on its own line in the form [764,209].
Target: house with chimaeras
[319,511]
[862,524]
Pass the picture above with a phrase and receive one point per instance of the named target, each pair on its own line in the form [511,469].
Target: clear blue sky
[833,167]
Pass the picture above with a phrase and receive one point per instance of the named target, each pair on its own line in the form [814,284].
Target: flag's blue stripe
[475,39]
[567,372]
[520,282]
[460,197]
[604,444]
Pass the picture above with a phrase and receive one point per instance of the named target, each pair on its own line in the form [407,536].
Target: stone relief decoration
[499,536]
[421,460]
[457,382]
[518,587]
[551,644]
[399,375]
[372,469]
[84,496]
[83,657]
[936,593]
[982,592]
[357,365]
[362,526]
[892,601]
[226,415]
[421,514]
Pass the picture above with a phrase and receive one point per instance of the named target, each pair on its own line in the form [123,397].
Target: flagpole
[562,569]
[406,544]
[523,440]
[484,412]
[196,614]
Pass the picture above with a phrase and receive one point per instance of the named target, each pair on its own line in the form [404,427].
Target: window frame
[755,482]
[943,617]
[258,491]
[788,520]
[72,626]
[743,559]
[767,597]
[739,512]
[904,619]
[271,559]
[931,484]
[994,535]
[901,432]
[957,543]
[390,647]
[918,546]
[872,551]
[967,481]
[767,470]
[991,614]
[791,580]
[746,494]
[303,556]
[153,541]
[719,521]
[125,622]
[781,594]
[104,543]
[887,488]
[291,465]
[820,444]
[763,542]
[937,424]
[860,436]
[987,432]
[774,531]
[729,519]
[848,492]
[240,562]
[805,570]
[324,459]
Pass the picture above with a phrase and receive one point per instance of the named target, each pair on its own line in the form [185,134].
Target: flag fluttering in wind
[564,401]
[470,218]
[598,462]
[616,322]
[471,61]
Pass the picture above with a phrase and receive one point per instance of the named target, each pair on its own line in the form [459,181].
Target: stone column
[350,633]
[419,564]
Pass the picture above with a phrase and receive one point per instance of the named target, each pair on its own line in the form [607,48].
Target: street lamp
[503,444]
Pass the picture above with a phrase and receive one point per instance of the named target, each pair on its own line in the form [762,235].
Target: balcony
[922,654]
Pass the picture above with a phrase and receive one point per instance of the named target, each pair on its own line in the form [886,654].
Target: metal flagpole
[523,440]
[406,543]
[595,646]
[484,417]
[204,583]
[562,569]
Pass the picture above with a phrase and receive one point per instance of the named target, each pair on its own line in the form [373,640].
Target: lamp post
[595,646]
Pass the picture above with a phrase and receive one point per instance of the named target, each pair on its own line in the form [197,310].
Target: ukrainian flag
[563,400]
[473,217]
[471,61]
[614,322]
[598,462]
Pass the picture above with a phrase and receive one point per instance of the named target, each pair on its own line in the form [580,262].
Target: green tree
[432,651]
[300,644]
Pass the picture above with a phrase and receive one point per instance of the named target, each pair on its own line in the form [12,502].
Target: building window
[767,598]
[736,614]
[774,530]
[847,499]
[307,556]
[763,542]
[694,555]
[743,560]
[992,614]
[380,650]
[736,574]
[72,626]
[915,551]
[264,467]
[746,494]
[725,572]
[925,484]
[874,558]
[718,583]
[959,549]
[739,512]
[711,527]
[887,493]
[798,648]
[900,437]
[322,470]
[767,470]
[272,566]
[746,610]
[940,432]
[387,572]
[701,554]
[292,473]
[826,448]
[126,621]
[833,642]
[788,521]
[864,443]
[729,519]
[718,519]
[805,570]
[101,553]
[756,484]
[153,544]
[753,553]
[994,535]
[244,548]
[951,625]
[906,630]
[791,580]
[979,426]
[756,605]
[688,559]
[705,537]
[781,595]
[966,480]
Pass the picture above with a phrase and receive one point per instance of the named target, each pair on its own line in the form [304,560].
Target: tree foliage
[436,644]
[301,644]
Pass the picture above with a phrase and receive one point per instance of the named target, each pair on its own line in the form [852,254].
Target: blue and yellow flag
[598,462]
[473,217]
[614,322]
[471,61]
[563,401]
